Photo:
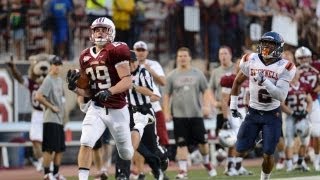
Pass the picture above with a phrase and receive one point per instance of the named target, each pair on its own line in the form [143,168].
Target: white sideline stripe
[301,178]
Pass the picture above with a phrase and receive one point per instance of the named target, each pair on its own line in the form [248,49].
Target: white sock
[83,174]
[183,165]
[205,159]
[264,176]
[316,158]
[295,158]
[282,154]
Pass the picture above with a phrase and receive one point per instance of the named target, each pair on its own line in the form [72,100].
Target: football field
[197,172]
[201,174]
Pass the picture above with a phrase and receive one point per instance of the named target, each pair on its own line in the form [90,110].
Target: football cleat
[182,175]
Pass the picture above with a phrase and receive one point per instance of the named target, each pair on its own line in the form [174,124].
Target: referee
[140,103]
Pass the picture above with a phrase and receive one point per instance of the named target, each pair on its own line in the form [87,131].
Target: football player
[297,106]
[269,76]
[310,76]
[107,66]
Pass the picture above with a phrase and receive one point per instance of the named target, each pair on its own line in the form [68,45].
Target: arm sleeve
[279,90]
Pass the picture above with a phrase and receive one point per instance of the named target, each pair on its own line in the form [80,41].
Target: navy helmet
[271,45]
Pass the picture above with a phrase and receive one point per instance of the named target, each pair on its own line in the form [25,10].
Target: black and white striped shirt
[140,77]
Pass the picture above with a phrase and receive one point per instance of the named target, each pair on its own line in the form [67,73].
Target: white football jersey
[260,98]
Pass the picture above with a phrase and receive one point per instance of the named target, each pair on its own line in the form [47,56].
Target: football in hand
[83,81]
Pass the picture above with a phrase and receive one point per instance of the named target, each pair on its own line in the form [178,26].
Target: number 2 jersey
[260,98]
[100,67]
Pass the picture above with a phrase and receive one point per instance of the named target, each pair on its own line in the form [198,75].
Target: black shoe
[104,176]
[141,177]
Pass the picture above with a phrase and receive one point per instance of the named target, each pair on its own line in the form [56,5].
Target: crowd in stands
[64,23]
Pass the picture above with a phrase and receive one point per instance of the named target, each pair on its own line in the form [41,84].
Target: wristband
[233,102]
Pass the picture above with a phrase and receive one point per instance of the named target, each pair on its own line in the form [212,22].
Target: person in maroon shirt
[107,66]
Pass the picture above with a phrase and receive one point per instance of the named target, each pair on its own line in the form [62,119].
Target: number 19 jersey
[260,98]
[100,67]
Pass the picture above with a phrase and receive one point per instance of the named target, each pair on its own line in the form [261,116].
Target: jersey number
[297,102]
[101,74]
[264,96]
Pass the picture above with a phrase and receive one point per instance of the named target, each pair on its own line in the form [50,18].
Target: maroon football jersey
[33,87]
[101,69]
[226,81]
[297,96]
[310,76]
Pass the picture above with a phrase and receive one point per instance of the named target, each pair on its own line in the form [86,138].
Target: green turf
[202,174]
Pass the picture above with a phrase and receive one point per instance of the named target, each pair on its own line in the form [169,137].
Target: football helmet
[227,137]
[303,55]
[106,36]
[271,45]
[302,128]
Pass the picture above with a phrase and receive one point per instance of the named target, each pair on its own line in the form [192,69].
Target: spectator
[61,11]
[4,31]
[18,25]
[47,25]
[122,13]
[51,95]
[96,9]
[184,84]
[210,29]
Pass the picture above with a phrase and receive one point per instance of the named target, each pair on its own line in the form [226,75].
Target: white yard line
[301,178]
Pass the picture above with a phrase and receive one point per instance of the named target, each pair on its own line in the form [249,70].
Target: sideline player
[311,76]
[269,76]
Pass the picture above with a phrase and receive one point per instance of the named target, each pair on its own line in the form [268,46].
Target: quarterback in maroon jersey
[107,66]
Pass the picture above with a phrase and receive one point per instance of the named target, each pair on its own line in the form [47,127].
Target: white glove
[259,77]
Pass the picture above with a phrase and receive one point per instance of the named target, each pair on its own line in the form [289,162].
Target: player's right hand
[236,114]
[72,77]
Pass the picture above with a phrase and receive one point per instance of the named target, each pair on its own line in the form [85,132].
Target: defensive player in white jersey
[311,76]
[269,76]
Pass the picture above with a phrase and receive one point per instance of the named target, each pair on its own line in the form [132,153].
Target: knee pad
[125,153]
